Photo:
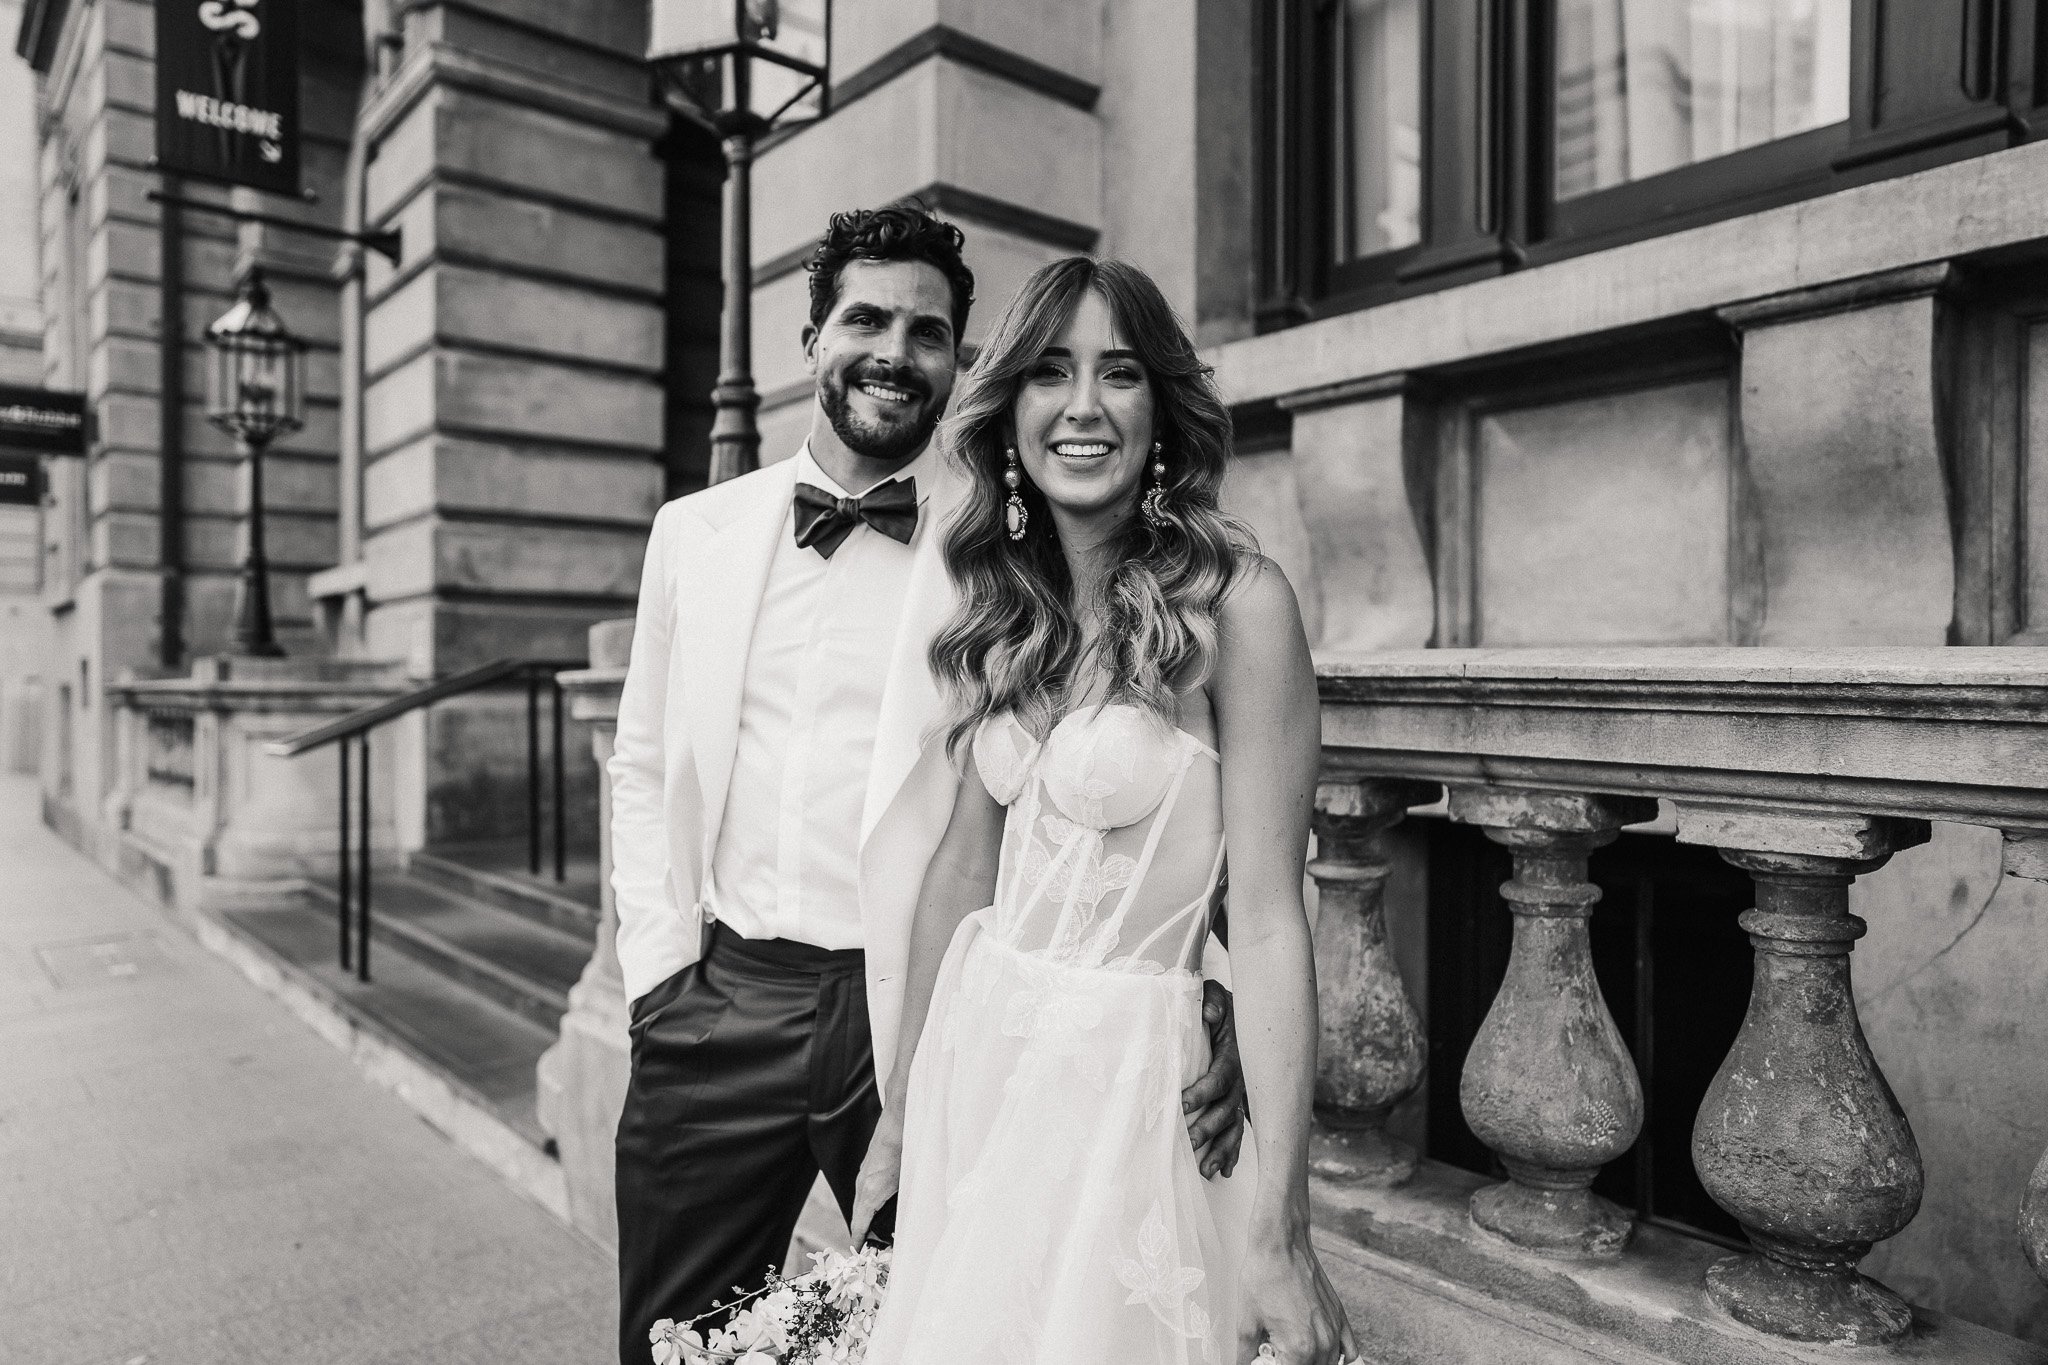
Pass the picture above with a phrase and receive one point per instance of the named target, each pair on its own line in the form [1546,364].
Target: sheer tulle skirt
[1051,1209]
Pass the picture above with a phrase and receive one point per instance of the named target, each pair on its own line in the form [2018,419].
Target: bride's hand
[1290,1306]
[880,1172]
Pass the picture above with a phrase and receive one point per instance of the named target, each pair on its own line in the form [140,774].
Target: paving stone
[189,1176]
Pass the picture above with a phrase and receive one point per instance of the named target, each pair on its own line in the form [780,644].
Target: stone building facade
[1547,323]
[24,626]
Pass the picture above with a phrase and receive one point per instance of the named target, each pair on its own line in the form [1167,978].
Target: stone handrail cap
[1907,666]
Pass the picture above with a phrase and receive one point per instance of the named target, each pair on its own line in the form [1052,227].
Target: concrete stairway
[513,941]
[471,964]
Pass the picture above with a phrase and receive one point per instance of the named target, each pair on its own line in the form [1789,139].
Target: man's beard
[896,441]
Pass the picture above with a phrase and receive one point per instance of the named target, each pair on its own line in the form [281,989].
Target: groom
[773,805]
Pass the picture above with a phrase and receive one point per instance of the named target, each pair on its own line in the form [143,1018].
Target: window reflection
[1645,86]
[1378,44]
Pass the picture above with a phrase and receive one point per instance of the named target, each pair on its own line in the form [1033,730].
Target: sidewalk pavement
[190,1176]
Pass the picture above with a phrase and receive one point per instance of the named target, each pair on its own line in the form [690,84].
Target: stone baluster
[1372,1047]
[1799,1137]
[1548,1084]
[2026,855]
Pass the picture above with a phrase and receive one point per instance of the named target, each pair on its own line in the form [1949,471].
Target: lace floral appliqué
[1158,1280]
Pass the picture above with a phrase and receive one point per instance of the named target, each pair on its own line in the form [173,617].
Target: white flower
[675,1345]
[756,1329]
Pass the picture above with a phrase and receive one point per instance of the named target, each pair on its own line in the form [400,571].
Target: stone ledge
[442,64]
[1978,205]
[1940,666]
[1426,1284]
[1952,734]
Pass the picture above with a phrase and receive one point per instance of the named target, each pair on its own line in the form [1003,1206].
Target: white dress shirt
[787,860]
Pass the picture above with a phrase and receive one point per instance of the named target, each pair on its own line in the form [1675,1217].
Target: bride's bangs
[1014,643]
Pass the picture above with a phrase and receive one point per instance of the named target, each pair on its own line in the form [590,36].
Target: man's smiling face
[884,359]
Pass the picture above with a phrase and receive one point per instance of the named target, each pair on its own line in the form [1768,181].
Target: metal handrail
[353,868]
[356,722]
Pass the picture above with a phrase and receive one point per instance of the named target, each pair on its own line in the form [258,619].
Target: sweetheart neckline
[1078,713]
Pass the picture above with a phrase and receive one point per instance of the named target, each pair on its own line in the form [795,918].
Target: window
[1410,144]
[1647,86]
[1378,133]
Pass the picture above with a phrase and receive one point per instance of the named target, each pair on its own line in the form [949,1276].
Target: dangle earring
[1154,504]
[1016,516]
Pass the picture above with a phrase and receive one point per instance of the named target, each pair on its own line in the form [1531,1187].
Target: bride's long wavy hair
[1015,644]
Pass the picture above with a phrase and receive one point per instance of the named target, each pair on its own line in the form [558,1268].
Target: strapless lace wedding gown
[1051,1210]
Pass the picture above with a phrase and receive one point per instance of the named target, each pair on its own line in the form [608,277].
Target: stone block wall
[102,296]
[513,405]
[513,421]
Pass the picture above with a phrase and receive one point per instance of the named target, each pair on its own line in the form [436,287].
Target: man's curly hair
[898,232]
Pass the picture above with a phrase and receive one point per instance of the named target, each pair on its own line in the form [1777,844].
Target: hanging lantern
[256,369]
[749,62]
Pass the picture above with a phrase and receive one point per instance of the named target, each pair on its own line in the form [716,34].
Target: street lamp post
[256,391]
[741,68]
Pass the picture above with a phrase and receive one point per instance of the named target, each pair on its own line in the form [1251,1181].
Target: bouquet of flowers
[822,1317]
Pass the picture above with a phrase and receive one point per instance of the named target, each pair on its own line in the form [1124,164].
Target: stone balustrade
[1805,769]
[200,814]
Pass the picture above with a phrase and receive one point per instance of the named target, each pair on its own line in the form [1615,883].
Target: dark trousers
[753,1070]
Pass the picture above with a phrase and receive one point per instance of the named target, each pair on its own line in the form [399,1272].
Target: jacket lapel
[725,580]
[911,703]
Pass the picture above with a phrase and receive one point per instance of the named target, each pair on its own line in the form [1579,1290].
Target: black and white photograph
[1024,682]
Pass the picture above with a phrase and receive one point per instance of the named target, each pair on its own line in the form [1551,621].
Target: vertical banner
[227,91]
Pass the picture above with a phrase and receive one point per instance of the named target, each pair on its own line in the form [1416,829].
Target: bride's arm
[960,880]
[1269,733]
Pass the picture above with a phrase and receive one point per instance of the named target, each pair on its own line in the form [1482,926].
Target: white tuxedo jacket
[707,564]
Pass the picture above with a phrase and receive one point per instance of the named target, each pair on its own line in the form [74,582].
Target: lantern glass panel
[767,58]
[257,386]
[791,29]
[679,28]
[778,93]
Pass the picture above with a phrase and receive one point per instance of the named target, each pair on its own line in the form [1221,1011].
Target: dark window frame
[1488,175]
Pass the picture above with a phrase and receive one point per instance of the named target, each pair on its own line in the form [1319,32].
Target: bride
[1132,697]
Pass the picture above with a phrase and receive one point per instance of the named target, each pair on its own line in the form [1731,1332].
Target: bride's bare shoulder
[1264,675]
[1260,606]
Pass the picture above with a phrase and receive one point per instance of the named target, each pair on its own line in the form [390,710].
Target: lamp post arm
[388,243]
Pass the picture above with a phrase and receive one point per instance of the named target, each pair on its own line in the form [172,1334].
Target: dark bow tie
[823,521]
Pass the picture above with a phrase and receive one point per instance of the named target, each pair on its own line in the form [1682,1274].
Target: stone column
[513,403]
[1799,1137]
[582,1078]
[1370,1055]
[1548,1084]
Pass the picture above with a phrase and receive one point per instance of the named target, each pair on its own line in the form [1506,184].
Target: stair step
[520,894]
[526,967]
[487,1052]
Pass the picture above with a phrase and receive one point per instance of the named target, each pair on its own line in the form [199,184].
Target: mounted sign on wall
[21,480]
[41,420]
[227,91]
